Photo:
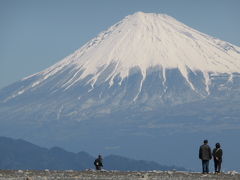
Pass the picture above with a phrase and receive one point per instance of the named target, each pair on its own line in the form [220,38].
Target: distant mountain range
[20,154]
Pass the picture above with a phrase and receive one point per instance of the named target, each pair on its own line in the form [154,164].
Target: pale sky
[35,34]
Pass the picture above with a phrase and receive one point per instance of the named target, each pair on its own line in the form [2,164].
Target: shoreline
[116,175]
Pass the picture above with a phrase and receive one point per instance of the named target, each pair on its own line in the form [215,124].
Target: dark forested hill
[20,154]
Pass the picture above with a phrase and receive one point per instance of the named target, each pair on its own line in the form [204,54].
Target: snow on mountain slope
[144,41]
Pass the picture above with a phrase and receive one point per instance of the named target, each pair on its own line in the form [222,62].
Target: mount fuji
[148,87]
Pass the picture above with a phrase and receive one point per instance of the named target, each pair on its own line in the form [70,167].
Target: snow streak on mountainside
[143,41]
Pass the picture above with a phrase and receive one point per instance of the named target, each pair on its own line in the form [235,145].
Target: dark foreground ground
[111,175]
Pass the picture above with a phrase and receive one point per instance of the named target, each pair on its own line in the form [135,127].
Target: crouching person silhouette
[98,163]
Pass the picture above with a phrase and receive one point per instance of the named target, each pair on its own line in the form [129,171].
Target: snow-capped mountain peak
[144,41]
[145,79]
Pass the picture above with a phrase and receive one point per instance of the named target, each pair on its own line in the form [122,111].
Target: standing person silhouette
[98,162]
[205,155]
[217,156]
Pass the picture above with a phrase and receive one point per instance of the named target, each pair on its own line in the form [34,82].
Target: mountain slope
[145,78]
[140,43]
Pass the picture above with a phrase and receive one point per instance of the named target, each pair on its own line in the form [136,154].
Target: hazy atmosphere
[130,79]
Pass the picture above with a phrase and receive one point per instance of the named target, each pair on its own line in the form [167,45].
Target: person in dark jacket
[205,155]
[98,163]
[217,156]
